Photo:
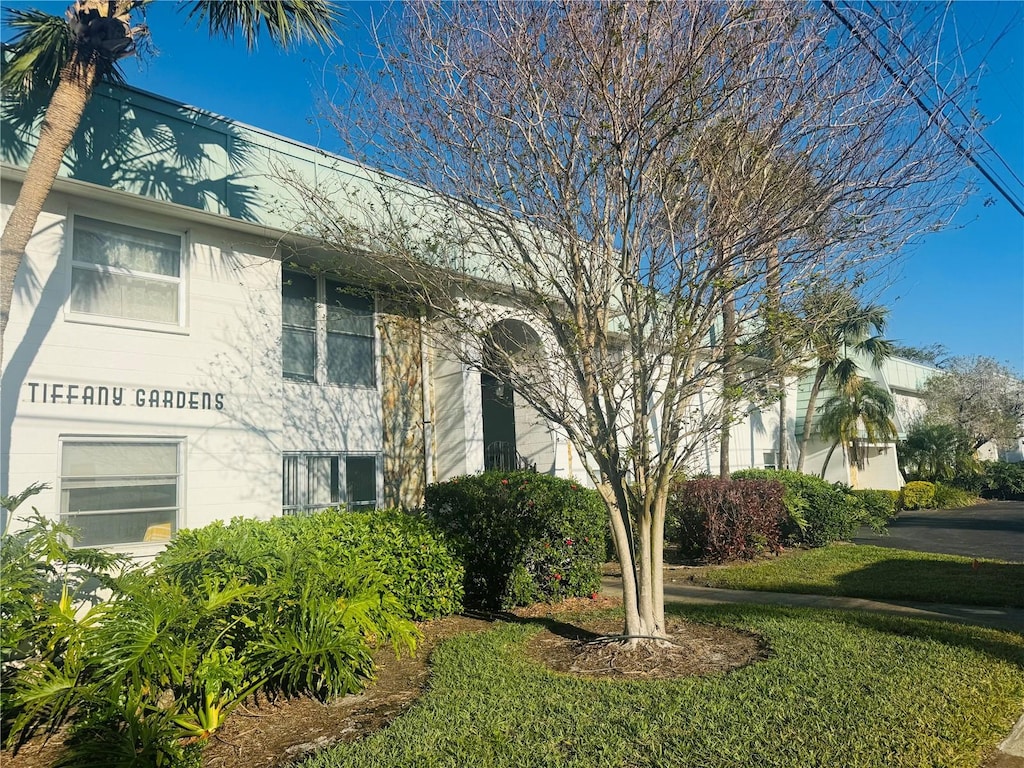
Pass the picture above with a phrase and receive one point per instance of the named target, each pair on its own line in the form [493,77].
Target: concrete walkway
[1011,619]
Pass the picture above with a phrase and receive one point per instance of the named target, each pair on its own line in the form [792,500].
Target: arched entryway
[515,435]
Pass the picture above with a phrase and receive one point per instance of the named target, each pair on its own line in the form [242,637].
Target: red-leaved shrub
[721,520]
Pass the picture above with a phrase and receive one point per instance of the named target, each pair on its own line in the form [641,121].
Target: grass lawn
[878,573]
[838,689]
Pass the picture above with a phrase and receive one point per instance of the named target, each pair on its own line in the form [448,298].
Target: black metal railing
[505,458]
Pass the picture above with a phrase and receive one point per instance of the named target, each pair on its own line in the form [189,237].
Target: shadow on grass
[552,625]
[964,583]
[991,642]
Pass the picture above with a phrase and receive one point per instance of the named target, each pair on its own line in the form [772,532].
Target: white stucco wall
[226,352]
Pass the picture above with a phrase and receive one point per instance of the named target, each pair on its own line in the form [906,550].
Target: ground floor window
[120,491]
[318,480]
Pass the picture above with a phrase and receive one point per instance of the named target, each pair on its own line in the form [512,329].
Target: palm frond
[878,348]
[285,22]
[34,58]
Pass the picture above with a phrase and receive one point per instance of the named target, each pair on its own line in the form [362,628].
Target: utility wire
[938,87]
[941,123]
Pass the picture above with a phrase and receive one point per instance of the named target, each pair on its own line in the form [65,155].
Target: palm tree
[861,405]
[936,452]
[59,60]
[836,324]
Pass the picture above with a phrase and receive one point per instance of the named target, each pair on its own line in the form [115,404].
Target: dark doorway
[499,414]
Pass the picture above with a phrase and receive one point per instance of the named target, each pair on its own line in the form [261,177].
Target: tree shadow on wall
[129,142]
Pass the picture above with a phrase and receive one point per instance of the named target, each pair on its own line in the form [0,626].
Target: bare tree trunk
[62,118]
[783,457]
[774,301]
[728,380]
[812,400]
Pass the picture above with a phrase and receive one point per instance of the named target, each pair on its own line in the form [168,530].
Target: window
[120,492]
[125,272]
[316,481]
[327,332]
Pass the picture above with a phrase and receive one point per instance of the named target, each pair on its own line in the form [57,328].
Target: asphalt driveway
[993,529]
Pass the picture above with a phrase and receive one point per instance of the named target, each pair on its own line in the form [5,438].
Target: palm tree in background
[860,406]
[58,60]
[836,326]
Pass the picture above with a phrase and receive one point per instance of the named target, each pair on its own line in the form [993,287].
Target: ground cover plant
[150,671]
[925,694]
[878,573]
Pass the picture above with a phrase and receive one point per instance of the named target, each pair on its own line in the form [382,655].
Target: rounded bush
[524,537]
[723,520]
[819,512]
[918,494]
[950,497]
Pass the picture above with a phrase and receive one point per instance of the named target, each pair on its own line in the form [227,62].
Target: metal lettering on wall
[88,394]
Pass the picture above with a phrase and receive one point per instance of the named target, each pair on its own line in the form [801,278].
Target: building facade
[168,363]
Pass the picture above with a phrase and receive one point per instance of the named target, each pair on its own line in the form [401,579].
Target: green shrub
[418,565]
[819,512]
[878,505]
[917,494]
[225,611]
[950,497]
[724,520]
[1002,480]
[524,537]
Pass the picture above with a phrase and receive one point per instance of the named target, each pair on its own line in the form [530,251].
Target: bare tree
[980,397]
[551,168]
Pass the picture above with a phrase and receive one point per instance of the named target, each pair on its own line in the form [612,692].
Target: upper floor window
[327,332]
[125,272]
[120,491]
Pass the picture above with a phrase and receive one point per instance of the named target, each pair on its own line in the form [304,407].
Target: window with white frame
[318,480]
[327,333]
[120,491]
[125,272]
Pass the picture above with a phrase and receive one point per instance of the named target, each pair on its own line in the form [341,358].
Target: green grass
[877,573]
[839,689]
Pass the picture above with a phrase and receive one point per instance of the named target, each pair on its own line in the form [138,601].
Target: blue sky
[962,288]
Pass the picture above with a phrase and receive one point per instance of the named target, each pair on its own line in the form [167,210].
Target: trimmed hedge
[819,512]
[722,520]
[524,537]
[918,494]
[420,568]
[879,505]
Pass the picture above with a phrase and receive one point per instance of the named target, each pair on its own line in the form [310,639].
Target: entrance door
[499,415]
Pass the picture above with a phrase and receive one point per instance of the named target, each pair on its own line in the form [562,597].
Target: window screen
[125,272]
[120,492]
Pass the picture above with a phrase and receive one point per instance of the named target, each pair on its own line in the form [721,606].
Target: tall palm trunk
[62,118]
[828,458]
[812,400]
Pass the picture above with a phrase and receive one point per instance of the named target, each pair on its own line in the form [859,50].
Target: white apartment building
[166,366]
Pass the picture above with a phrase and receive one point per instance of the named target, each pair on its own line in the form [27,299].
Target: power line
[945,99]
[941,121]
